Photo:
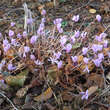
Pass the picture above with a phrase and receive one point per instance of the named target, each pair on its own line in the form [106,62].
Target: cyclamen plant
[57,22]
[30,46]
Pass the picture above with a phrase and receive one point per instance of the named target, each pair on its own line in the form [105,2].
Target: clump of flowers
[40,30]
[57,22]
[62,51]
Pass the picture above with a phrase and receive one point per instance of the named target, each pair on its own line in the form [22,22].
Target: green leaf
[86,24]
[77,45]
[5,73]
[15,80]
[24,73]
[64,23]
[62,1]
[19,25]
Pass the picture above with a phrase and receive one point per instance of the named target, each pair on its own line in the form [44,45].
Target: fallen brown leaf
[45,95]
[92,90]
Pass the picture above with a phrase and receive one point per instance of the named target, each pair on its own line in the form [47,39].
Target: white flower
[75,18]
[38,62]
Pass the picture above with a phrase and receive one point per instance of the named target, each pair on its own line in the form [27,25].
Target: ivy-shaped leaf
[77,45]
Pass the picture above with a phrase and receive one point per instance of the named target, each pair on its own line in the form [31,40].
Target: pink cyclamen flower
[24,54]
[43,20]
[99,47]
[75,18]
[24,34]
[100,56]
[12,24]
[19,36]
[29,21]
[108,53]
[58,25]
[26,49]
[2,64]
[40,29]
[84,50]
[73,39]
[77,33]
[98,17]
[86,69]
[57,21]
[63,40]
[96,48]
[43,12]
[11,33]
[7,47]
[60,30]
[0,34]
[13,42]
[84,95]
[11,67]
[97,62]
[98,38]
[83,34]
[33,39]
[105,43]
[85,59]
[68,47]
[53,60]
[57,55]
[2,81]
[59,64]
[38,62]
[5,42]
[103,35]
[32,57]
[74,59]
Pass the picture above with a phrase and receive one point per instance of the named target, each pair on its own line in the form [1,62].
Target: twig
[77,8]
[1,93]
[25,16]
[103,76]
